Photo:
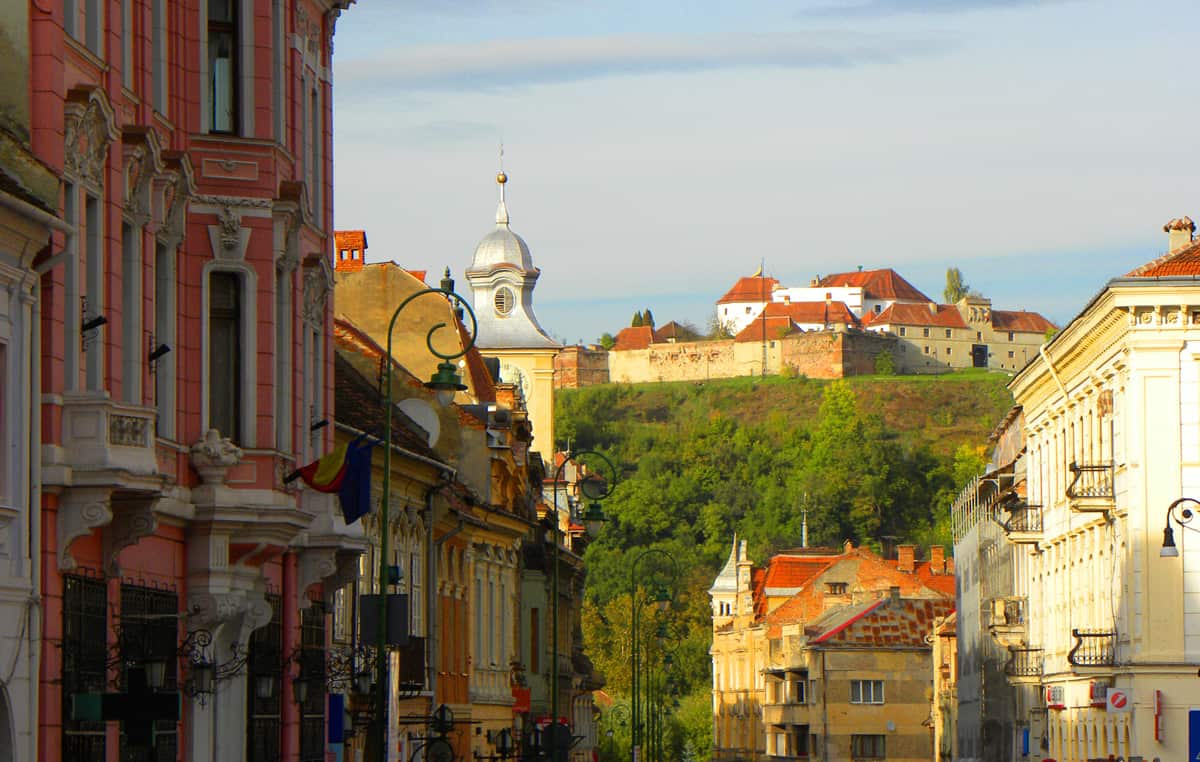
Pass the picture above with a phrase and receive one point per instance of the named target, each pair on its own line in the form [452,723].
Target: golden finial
[501,177]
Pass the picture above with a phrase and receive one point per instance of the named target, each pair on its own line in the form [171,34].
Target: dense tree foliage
[871,460]
[956,287]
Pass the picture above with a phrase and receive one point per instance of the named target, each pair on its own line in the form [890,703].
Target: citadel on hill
[839,325]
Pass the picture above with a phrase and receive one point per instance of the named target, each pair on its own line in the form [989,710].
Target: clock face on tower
[511,374]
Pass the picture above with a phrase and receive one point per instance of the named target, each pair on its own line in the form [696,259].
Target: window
[925,332]
[836,588]
[163,367]
[84,20]
[127,44]
[902,331]
[158,52]
[222,65]
[225,353]
[535,646]
[947,351]
[94,291]
[283,361]
[314,137]
[279,50]
[131,313]
[979,336]
[868,747]
[504,301]
[312,669]
[878,308]
[1010,335]
[948,333]
[265,659]
[84,657]
[1010,354]
[926,350]
[4,441]
[747,310]
[796,690]
[150,629]
[866,691]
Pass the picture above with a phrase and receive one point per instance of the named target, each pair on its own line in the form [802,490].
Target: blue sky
[659,150]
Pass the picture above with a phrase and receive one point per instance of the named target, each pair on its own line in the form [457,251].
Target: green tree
[648,318]
[607,340]
[638,320]
[956,287]
[885,364]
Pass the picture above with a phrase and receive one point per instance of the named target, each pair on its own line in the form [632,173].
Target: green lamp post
[445,382]
[662,599]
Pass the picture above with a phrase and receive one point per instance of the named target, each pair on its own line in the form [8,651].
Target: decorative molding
[79,512]
[90,127]
[128,430]
[318,285]
[178,186]
[313,565]
[143,161]
[248,202]
[132,520]
[213,456]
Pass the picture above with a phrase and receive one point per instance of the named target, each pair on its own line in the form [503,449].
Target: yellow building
[779,626]
[945,689]
[1112,430]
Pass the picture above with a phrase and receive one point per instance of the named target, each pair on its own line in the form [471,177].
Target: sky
[657,151]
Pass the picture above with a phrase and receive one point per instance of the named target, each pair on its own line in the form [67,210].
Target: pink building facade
[177,361]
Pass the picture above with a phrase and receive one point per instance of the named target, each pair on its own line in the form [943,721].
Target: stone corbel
[177,185]
[143,162]
[132,520]
[318,285]
[228,238]
[314,565]
[90,127]
[79,512]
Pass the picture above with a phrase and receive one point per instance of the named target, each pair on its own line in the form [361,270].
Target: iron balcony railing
[1092,480]
[1024,662]
[1093,648]
[1024,518]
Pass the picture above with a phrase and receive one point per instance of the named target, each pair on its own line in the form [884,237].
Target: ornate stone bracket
[142,156]
[213,456]
[80,511]
[178,185]
[132,520]
[314,565]
[233,615]
[90,127]
[318,285]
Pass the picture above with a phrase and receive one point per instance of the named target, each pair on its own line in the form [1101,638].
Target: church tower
[502,277]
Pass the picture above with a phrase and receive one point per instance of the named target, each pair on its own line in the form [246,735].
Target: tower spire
[501,180]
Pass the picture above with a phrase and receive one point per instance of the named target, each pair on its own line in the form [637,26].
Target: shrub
[885,364]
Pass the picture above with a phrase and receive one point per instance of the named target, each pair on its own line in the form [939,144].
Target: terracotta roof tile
[773,328]
[750,289]
[1019,321]
[877,284]
[828,313]
[947,316]
[634,337]
[1183,261]
[904,622]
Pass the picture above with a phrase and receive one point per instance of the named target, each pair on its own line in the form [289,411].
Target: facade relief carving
[132,520]
[213,456]
[80,511]
[90,128]
[318,285]
[143,163]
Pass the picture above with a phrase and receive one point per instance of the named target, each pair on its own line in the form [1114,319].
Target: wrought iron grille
[265,659]
[1093,480]
[1093,648]
[312,670]
[85,658]
[1024,662]
[149,629]
[1024,518]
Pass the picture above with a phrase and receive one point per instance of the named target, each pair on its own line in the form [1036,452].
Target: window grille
[312,669]
[265,659]
[150,630]
[84,646]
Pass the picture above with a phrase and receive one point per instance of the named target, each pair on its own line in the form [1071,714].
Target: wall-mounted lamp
[1183,517]
[319,425]
[158,352]
[94,323]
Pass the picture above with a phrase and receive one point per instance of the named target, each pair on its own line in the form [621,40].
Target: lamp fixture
[318,425]
[300,690]
[93,323]
[1183,517]
[157,353]
[264,686]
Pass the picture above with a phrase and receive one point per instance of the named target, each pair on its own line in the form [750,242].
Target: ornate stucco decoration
[213,456]
[79,512]
[318,285]
[175,185]
[288,215]
[143,160]
[133,519]
[90,127]
[315,564]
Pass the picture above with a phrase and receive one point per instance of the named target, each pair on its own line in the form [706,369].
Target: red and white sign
[1158,719]
[1119,701]
[1054,697]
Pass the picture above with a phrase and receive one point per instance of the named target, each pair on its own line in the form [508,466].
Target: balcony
[1024,524]
[785,714]
[106,442]
[1093,648]
[1007,621]
[1092,488]
[1024,666]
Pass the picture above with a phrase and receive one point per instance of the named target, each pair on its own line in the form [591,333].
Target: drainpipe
[1053,372]
[824,708]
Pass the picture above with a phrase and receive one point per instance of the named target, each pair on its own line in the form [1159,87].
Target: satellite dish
[424,415]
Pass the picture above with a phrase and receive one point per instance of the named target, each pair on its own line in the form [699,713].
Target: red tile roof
[1183,261]
[1022,322]
[947,316]
[877,284]
[770,327]
[671,330]
[904,622]
[828,313]
[634,337]
[750,289]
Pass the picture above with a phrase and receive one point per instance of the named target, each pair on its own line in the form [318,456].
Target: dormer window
[504,300]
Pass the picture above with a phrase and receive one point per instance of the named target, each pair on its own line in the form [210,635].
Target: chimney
[351,246]
[1179,232]
[933,308]
[950,565]
[937,559]
[894,593]
[906,558]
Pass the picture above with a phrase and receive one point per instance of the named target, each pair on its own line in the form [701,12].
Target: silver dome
[502,246]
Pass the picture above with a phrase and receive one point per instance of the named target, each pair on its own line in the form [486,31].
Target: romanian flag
[346,471]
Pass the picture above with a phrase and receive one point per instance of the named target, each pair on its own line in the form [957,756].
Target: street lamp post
[662,598]
[445,383]
[594,488]
[1183,516]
